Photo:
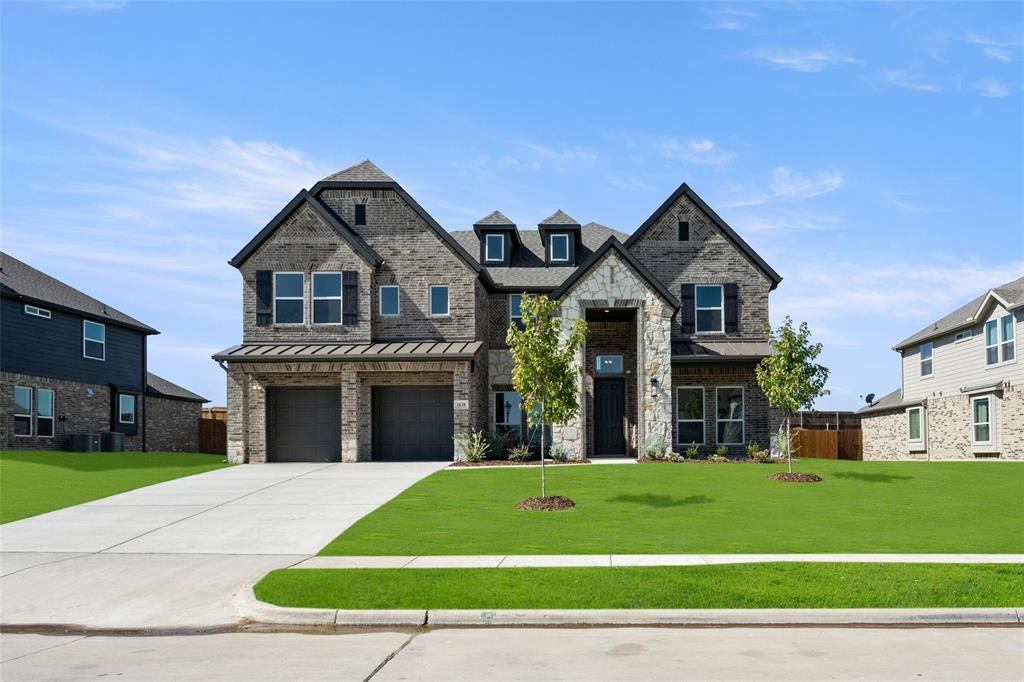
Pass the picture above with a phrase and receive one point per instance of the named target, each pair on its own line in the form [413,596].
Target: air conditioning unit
[84,442]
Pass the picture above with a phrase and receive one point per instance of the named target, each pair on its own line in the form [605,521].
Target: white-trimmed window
[289,298]
[991,342]
[126,408]
[508,413]
[1006,349]
[44,413]
[690,415]
[926,352]
[710,300]
[494,247]
[37,311]
[999,340]
[729,408]
[559,248]
[515,310]
[608,364]
[22,411]
[915,425]
[965,335]
[326,298]
[981,419]
[388,300]
[438,300]
[94,340]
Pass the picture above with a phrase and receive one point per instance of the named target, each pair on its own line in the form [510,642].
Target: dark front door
[413,422]
[609,415]
[304,424]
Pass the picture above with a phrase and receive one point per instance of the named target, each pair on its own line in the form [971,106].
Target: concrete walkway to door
[173,554]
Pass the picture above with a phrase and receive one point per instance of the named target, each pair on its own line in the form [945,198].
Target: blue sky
[872,153]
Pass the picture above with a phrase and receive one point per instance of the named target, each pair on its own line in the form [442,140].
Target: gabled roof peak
[494,218]
[364,171]
[559,217]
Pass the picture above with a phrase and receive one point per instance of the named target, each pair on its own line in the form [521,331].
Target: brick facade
[173,425]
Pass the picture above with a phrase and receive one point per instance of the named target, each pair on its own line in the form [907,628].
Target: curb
[257,611]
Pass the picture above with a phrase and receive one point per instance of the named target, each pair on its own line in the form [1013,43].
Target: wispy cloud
[700,151]
[802,60]
[729,19]
[1001,50]
[915,208]
[904,78]
[562,153]
[90,6]
[990,87]
[787,184]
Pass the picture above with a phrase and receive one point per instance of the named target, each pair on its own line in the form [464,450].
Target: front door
[609,416]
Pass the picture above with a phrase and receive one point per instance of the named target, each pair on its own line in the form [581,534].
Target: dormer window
[559,248]
[494,248]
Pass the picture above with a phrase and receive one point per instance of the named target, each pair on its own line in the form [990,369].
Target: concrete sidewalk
[577,560]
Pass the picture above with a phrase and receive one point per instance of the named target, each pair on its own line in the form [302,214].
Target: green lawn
[755,586]
[947,507]
[34,482]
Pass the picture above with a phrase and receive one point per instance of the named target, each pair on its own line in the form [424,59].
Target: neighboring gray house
[72,364]
[963,386]
[371,332]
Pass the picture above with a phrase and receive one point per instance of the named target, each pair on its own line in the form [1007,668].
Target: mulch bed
[731,460]
[552,503]
[795,477]
[509,463]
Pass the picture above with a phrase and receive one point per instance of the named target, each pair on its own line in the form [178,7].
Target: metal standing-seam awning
[398,350]
[727,351]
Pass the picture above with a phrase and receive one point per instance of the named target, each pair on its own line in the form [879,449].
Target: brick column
[350,407]
[463,419]
[236,380]
[256,413]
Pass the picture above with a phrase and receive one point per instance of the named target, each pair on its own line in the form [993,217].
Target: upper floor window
[981,417]
[289,298]
[360,214]
[94,340]
[326,298]
[44,413]
[559,248]
[515,310]
[999,340]
[126,408]
[926,358]
[965,335]
[388,300]
[22,411]
[438,300]
[684,230]
[494,247]
[37,311]
[915,425]
[710,308]
[608,364]
[730,415]
[690,415]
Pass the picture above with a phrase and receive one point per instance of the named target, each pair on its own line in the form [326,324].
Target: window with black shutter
[684,230]
[264,298]
[350,297]
[688,313]
[732,308]
[360,214]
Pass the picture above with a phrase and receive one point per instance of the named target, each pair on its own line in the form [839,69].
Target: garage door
[412,422]
[304,424]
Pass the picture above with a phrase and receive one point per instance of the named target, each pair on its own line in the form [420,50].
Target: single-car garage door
[412,422]
[304,424]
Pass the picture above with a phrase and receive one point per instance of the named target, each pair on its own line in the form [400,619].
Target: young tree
[545,371]
[790,378]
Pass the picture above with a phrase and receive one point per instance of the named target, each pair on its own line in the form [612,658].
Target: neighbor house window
[991,342]
[360,214]
[690,415]
[515,310]
[965,335]
[22,411]
[559,248]
[730,415]
[494,246]
[389,300]
[94,340]
[608,364]
[915,424]
[44,413]
[439,300]
[684,230]
[709,308]
[926,358]
[981,411]
[999,349]
[37,311]
[326,298]
[289,298]
[508,413]
[126,408]
[1006,331]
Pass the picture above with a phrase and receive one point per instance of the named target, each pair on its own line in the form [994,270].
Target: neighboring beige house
[963,386]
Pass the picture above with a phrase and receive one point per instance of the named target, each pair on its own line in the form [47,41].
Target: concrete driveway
[173,554]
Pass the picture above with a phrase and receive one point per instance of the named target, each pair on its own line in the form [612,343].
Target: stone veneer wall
[84,413]
[948,428]
[173,425]
[612,338]
[613,283]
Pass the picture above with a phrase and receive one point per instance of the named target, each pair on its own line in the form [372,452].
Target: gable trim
[614,244]
[684,190]
[344,231]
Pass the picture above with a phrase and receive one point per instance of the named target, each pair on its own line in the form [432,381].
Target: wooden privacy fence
[213,436]
[842,444]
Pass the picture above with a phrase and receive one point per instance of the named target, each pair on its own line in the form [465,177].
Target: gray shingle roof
[1011,292]
[559,217]
[890,401]
[494,218]
[21,280]
[162,388]
[527,269]
[364,171]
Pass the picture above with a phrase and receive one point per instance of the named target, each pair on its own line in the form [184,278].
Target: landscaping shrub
[474,445]
[693,451]
[722,451]
[657,450]
[519,453]
[558,453]
[501,442]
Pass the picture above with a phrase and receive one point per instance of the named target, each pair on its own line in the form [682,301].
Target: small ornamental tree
[790,378]
[545,371]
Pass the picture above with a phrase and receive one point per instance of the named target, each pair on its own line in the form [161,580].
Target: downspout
[145,385]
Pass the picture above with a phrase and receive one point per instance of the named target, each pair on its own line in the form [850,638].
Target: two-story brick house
[371,332]
[962,388]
